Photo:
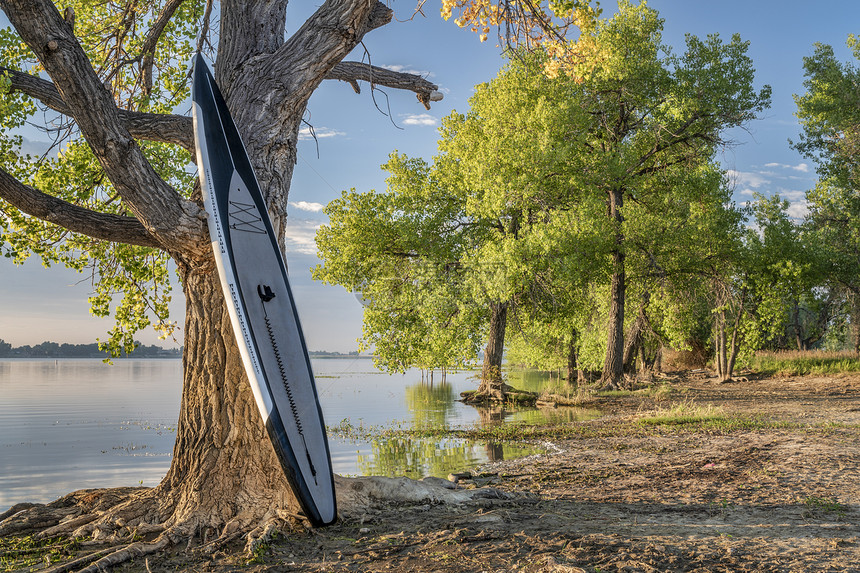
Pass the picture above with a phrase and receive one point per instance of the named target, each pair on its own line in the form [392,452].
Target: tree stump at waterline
[497,392]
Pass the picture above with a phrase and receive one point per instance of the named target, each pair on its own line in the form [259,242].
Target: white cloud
[300,236]
[802,167]
[423,119]
[406,70]
[792,195]
[798,209]
[320,132]
[307,206]
[747,178]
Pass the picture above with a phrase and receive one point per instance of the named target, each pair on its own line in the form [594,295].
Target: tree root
[127,553]
[114,526]
[79,562]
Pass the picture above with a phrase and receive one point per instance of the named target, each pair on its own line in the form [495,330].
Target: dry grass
[799,363]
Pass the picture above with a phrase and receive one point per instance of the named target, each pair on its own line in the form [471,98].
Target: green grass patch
[22,553]
[659,391]
[796,363]
[684,413]
[825,505]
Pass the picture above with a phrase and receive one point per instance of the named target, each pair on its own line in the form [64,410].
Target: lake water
[73,424]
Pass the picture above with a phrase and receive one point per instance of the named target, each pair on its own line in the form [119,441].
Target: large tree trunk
[224,469]
[613,366]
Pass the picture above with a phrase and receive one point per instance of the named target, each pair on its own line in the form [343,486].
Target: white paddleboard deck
[260,302]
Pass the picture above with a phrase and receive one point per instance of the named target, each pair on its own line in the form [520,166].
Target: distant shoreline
[51,350]
[325,354]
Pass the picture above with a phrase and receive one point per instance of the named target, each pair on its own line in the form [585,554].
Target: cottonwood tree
[118,199]
[454,247]
[652,110]
[830,118]
[652,113]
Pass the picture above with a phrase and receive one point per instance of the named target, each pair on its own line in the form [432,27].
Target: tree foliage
[535,166]
[829,115]
[405,252]
[118,39]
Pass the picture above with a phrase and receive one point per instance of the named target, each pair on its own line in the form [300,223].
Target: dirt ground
[626,497]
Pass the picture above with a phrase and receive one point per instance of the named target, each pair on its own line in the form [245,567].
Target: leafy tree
[405,252]
[454,247]
[830,118]
[758,293]
[118,201]
[651,117]
[632,138]
[829,114]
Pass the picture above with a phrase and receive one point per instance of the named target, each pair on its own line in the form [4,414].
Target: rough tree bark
[613,366]
[492,387]
[224,479]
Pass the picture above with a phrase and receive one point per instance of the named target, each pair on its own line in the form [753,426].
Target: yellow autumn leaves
[479,14]
[534,25]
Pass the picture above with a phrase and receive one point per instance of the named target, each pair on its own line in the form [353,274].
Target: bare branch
[204,26]
[353,72]
[103,226]
[167,128]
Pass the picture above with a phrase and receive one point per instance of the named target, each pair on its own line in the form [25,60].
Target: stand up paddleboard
[260,302]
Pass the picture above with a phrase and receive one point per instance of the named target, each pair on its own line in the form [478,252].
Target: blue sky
[355,138]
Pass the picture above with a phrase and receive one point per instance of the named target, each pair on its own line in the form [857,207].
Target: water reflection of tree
[421,457]
[430,404]
[536,381]
[417,457]
[489,417]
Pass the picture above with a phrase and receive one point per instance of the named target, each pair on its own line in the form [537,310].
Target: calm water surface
[73,424]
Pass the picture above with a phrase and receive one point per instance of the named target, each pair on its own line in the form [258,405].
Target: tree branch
[166,128]
[103,226]
[147,51]
[176,222]
[353,72]
[323,41]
